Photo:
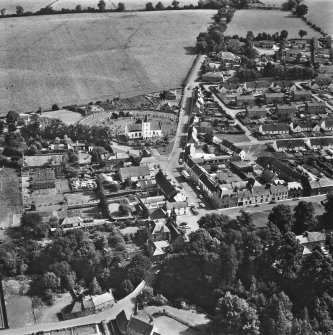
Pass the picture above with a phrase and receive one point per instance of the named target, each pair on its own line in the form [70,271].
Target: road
[127,304]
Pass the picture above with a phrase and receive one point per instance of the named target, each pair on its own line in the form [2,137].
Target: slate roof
[139,327]
[166,186]
[284,107]
[308,92]
[134,171]
[176,205]
[274,95]
[315,104]
[134,127]
[197,170]
[329,123]
[190,162]
[231,146]
[122,320]
[275,127]
[155,125]
[305,124]
[259,191]
[245,97]
[208,183]
[278,189]
[102,298]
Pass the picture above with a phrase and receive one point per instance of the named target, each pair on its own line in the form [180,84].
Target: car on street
[194,211]
[198,188]
[183,224]
[200,196]
[191,204]
[180,161]
[201,204]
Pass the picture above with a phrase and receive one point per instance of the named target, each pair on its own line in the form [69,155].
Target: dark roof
[290,144]
[256,109]
[329,123]
[155,125]
[156,213]
[138,121]
[167,188]
[279,188]
[274,95]
[275,126]
[259,190]
[284,107]
[308,92]
[283,84]
[134,127]
[208,183]
[315,104]
[231,146]
[305,124]
[122,321]
[134,171]
[197,170]
[139,327]
[245,97]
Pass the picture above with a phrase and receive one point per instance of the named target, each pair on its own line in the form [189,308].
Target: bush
[55,107]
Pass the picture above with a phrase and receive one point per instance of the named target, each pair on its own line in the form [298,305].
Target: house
[272,98]
[282,86]
[158,231]
[244,197]
[196,172]
[157,250]
[151,162]
[143,129]
[213,77]
[279,192]
[274,129]
[315,108]
[228,57]
[302,95]
[230,88]
[319,83]
[285,110]
[310,240]
[170,95]
[229,147]
[122,320]
[71,222]
[134,173]
[208,186]
[245,100]
[297,127]
[165,186]
[180,207]
[255,112]
[295,189]
[256,86]
[327,125]
[292,54]
[77,146]
[260,194]
[321,186]
[264,44]
[139,327]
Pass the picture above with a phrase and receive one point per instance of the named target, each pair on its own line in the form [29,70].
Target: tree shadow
[190,50]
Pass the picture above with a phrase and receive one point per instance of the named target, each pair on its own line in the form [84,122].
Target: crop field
[67,59]
[10,197]
[267,21]
[34,5]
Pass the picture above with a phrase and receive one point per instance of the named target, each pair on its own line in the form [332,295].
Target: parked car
[200,196]
[198,188]
[191,204]
[201,204]
[194,211]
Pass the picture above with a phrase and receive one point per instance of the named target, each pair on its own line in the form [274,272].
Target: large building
[143,129]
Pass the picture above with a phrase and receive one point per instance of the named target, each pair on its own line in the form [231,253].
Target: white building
[143,129]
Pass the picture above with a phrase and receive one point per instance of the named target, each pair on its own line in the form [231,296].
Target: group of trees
[254,281]
[286,72]
[93,259]
[296,6]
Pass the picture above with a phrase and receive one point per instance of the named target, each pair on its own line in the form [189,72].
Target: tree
[55,107]
[138,268]
[32,223]
[233,315]
[304,217]
[201,4]
[101,5]
[175,4]
[328,215]
[150,6]
[249,39]
[284,34]
[78,8]
[159,6]
[301,10]
[209,137]
[302,33]
[126,287]
[289,5]
[12,117]
[19,10]
[95,289]
[121,7]
[282,217]
[49,281]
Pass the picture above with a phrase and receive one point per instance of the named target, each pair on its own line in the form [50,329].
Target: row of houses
[301,145]
[295,127]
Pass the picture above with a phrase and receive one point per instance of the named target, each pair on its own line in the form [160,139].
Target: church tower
[146,128]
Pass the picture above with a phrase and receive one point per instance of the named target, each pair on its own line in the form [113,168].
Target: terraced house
[274,129]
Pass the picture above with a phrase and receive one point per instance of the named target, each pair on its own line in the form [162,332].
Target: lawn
[270,22]
[10,196]
[64,115]
[73,58]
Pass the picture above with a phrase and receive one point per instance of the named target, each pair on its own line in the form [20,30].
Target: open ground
[270,22]
[67,59]
[64,115]
[10,197]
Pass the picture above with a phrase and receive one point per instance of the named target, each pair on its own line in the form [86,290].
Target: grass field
[10,197]
[267,21]
[68,59]
[64,115]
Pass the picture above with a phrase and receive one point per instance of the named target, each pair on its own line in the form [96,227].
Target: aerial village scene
[166,169]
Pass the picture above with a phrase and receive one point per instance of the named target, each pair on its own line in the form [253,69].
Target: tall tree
[302,33]
[101,5]
[175,4]
[159,6]
[284,34]
[304,217]
[233,315]
[282,217]
[301,10]
[149,6]
[121,7]
[249,39]
[19,10]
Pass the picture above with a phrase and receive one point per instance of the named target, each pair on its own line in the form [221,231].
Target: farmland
[10,198]
[68,59]
[267,21]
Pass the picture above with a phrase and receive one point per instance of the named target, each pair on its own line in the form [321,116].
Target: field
[68,59]
[267,21]
[34,5]
[10,197]
[66,116]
